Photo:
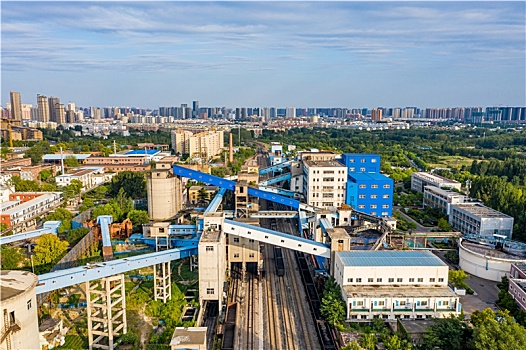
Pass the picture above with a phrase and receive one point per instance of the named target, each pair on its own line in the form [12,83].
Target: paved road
[419,227]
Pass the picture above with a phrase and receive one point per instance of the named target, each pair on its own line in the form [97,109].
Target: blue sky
[302,54]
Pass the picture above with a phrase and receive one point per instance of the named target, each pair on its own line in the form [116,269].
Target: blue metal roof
[150,152]
[369,177]
[390,258]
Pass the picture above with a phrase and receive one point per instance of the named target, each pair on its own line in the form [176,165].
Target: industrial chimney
[231,148]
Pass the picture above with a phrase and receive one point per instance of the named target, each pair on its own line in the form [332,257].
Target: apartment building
[435,197]
[22,209]
[205,144]
[394,284]
[419,180]
[324,183]
[517,285]
[477,219]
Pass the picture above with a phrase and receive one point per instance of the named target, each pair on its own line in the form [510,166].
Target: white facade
[19,304]
[421,179]
[477,219]
[324,183]
[85,175]
[484,262]
[394,284]
[436,197]
[212,262]
[23,215]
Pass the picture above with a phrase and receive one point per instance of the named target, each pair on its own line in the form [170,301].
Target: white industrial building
[419,180]
[19,321]
[436,197]
[477,219]
[394,284]
[324,183]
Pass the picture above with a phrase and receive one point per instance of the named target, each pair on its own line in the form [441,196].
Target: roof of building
[434,177]
[360,155]
[79,172]
[360,291]
[442,191]
[15,283]
[389,258]
[189,336]
[142,152]
[480,210]
[369,177]
[324,163]
[54,157]
[416,326]
[31,202]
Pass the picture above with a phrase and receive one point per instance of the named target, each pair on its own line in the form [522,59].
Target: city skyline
[303,54]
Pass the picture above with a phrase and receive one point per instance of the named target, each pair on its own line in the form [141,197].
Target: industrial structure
[232,241]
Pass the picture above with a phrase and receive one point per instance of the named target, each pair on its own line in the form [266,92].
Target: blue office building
[368,190]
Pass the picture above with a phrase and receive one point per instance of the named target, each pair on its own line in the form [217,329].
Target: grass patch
[75,342]
[452,162]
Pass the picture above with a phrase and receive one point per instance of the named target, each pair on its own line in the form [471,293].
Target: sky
[257,54]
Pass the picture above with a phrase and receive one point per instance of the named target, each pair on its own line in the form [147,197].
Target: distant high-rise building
[376,114]
[16,106]
[291,112]
[60,115]
[195,109]
[43,108]
[52,102]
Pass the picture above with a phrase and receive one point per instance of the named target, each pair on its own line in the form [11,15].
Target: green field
[452,162]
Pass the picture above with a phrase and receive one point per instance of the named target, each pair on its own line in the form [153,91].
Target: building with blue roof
[368,190]
[394,284]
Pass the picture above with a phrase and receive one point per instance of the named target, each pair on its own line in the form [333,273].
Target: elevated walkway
[276,238]
[276,167]
[216,201]
[270,214]
[49,227]
[231,185]
[275,180]
[65,278]
[280,191]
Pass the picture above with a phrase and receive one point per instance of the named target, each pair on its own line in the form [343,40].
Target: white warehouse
[394,284]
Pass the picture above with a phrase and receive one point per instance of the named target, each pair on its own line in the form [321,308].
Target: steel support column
[106,308]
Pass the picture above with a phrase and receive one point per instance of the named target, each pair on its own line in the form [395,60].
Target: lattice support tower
[162,282]
[106,299]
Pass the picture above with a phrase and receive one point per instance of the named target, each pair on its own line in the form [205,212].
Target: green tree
[133,183]
[74,236]
[368,341]
[499,333]
[446,333]
[11,257]
[37,151]
[332,309]
[48,251]
[458,278]
[138,217]
[352,346]
[444,225]
[63,215]
[45,174]
[396,343]
[71,161]
[108,209]
[124,202]
[24,185]
[202,195]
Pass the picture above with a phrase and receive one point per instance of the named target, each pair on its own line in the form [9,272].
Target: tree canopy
[48,251]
